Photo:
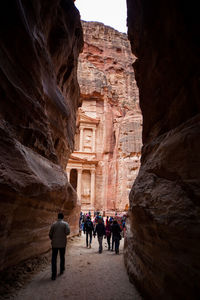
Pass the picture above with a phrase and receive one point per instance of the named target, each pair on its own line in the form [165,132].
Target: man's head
[60,216]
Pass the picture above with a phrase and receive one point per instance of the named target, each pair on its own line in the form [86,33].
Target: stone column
[81,140]
[93,139]
[79,185]
[68,174]
[92,188]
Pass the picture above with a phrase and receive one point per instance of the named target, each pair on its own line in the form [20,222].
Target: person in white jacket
[58,235]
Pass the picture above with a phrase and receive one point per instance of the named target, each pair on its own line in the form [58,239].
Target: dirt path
[89,275]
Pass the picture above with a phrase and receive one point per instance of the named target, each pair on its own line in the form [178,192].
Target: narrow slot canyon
[96,120]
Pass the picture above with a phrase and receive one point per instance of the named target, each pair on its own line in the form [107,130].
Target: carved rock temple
[40,46]
[107,152]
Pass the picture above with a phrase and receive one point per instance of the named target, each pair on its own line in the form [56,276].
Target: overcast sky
[109,12]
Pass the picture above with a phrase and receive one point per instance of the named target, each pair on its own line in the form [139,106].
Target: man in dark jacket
[101,231]
[58,235]
[88,229]
[116,235]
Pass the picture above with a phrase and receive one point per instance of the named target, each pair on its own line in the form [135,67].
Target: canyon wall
[109,95]
[40,44]
[163,247]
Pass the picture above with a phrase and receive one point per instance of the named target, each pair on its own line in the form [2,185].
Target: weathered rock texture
[109,94]
[40,43]
[163,246]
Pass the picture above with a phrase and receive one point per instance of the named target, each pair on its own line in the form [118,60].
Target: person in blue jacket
[88,229]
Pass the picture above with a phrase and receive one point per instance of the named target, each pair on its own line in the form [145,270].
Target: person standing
[58,235]
[113,242]
[116,231]
[108,233]
[88,229]
[100,230]
[124,226]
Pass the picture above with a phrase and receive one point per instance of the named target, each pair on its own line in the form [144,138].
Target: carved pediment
[76,159]
[83,118]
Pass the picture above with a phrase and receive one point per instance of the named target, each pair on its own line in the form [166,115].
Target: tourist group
[109,228]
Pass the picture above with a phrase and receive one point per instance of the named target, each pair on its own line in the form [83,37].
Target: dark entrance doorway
[73,178]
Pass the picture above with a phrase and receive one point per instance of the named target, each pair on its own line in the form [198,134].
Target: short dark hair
[60,216]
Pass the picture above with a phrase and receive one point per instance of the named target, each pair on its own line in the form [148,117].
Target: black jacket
[88,226]
[115,228]
[100,229]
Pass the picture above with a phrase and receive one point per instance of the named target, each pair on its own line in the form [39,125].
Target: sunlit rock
[107,153]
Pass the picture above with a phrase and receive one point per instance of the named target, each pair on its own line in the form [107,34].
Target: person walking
[113,242]
[124,226]
[58,235]
[108,233]
[100,230]
[116,230]
[88,229]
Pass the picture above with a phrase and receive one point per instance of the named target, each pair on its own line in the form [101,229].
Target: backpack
[108,231]
[89,225]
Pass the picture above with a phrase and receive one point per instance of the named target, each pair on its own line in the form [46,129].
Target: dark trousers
[117,242]
[54,260]
[108,241]
[88,234]
[100,240]
[113,241]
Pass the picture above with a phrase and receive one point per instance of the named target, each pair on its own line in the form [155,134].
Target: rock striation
[40,44]
[109,95]
[163,247]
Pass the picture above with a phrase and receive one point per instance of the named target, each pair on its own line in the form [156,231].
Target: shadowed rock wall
[39,94]
[163,247]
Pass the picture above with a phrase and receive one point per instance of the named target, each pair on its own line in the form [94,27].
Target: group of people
[111,231]
[60,229]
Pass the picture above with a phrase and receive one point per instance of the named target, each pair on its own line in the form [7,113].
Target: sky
[109,12]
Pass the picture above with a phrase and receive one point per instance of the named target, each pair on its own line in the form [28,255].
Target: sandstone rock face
[40,44]
[109,94]
[163,247]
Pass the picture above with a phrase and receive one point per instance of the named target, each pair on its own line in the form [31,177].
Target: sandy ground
[88,275]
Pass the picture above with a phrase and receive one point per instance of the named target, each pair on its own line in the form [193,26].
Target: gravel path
[88,275]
